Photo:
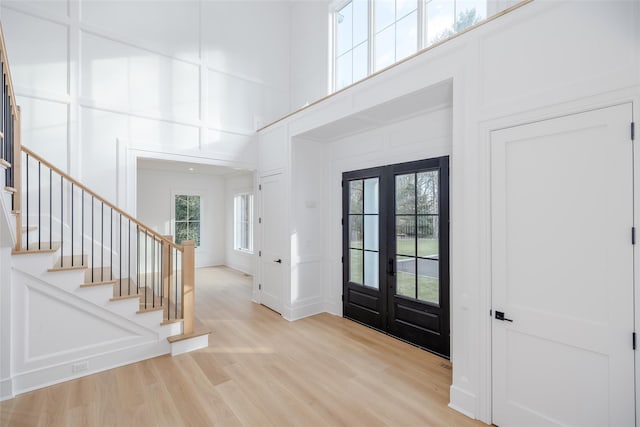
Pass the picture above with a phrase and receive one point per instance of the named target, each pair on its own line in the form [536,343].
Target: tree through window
[187,219]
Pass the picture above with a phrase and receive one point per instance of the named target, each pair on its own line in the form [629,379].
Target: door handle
[390,270]
[279,261]
[500,316]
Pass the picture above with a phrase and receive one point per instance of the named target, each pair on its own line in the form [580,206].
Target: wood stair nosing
[103,283]
[124,297]
[182,337]
[33,248]
[10,189]
[5,164]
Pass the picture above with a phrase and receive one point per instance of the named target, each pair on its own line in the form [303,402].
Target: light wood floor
[259,370]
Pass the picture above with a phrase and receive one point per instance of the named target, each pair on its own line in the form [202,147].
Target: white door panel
[273,229]
[562,206]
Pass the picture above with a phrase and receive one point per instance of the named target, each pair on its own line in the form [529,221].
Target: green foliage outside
[428,287]
[187,214]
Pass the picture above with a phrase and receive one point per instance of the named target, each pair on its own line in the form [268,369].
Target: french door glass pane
[371,269]
[356,231]
[406,276]
[427,190]
[428,236]
[406,235]
[371,197]
[371,232]
[428,280]
[406,194]
[355,197]
[355,266]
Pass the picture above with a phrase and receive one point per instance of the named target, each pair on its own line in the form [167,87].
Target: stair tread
[182,337]
[125,297]
[4,164]
[103,283]
[10,189]
[169,322]
[33,248]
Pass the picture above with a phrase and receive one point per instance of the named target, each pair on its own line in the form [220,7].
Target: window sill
[243,251]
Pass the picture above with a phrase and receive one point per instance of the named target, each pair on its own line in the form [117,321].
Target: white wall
[155,193]
[191,78]
[309,51]
[235,184]
[542,60]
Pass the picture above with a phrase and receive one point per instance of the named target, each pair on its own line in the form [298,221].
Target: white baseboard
[6,389]
[191,344]
[304,309]
[462,401]
[44,377]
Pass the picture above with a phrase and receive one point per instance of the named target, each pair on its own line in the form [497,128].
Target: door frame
[258,242]
[387,282]
[460,397]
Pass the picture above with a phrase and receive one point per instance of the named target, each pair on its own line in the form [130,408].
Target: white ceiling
[402,107]
[187,167]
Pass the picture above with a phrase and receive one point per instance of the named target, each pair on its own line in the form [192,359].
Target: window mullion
[371,30]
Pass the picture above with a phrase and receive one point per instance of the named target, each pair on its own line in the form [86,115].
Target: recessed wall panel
[233,102]
[44,129]
[57,8]
[37,51]
[170,27]
[519,61]
[131,79]
[101,132]
[249,39]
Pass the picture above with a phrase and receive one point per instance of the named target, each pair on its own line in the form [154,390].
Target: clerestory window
[370,35]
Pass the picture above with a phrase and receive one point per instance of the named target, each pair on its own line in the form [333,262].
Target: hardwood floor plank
[259,370]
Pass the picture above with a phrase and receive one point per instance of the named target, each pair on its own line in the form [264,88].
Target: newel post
[188,286]
[16,167]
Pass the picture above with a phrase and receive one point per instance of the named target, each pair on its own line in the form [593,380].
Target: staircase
[90,287]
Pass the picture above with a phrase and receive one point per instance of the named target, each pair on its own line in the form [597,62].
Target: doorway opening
[396,250]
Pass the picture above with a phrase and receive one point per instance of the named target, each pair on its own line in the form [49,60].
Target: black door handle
[279,261]
[500,316]
[390,270]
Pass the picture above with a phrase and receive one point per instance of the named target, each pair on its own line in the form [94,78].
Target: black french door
[396,250]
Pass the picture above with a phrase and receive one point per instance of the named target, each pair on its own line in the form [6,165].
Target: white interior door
[273,229]
[562,213]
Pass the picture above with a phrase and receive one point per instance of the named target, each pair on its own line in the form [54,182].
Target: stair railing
[63,214]
[90,232]
[10,135]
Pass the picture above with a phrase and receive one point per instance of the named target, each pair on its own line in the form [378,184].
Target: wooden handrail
[75,182]
[5,70]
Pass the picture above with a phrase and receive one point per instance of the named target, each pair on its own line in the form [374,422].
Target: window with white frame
[373,34]
[243,222]
[187,218]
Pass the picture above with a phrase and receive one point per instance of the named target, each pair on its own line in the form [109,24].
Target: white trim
[483,402]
